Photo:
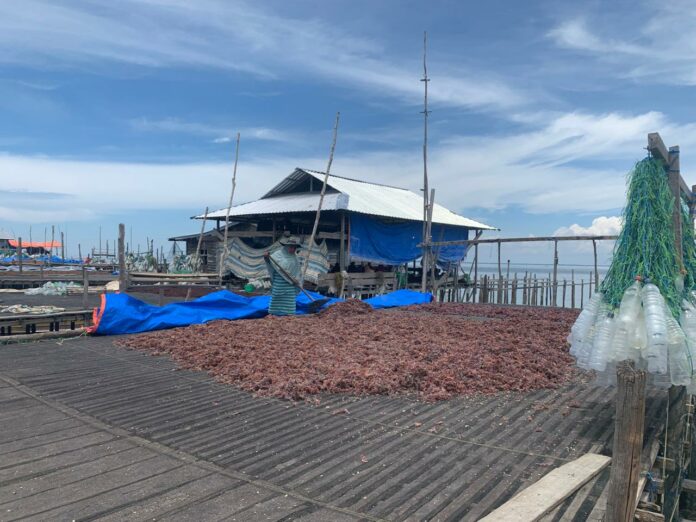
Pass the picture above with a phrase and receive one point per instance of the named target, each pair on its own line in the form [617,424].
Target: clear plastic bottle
[602,344]
[687,320]
[656,329]
[626,324]
[583,325]
[639,341]
[679,359]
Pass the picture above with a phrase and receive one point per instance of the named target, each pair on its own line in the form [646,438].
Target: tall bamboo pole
[426,203]
[229,209]
[310,246]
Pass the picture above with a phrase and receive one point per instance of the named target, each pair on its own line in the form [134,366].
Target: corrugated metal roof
[353,195]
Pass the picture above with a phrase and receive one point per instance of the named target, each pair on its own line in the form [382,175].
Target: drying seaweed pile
[431,352]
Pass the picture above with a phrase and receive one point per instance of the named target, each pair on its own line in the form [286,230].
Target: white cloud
[660,49]
[574,163]
[236,36]
[601,226]
[220,134]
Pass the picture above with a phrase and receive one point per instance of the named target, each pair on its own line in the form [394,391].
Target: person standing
[283,290]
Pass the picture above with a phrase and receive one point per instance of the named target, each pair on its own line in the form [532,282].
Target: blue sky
[125,111]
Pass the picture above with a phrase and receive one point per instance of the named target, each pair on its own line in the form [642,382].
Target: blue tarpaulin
[123,314]
[394,243]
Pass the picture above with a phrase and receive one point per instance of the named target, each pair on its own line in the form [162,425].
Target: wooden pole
[500,276]
[596,270]
[507,280]
[197,259]
[524,289]
[62,246]
[475,272]
[564,292]
[342,245]
[572,288]
[53,242]
[426,204]
[225,246]
[310,246]
[19,254]
[85,287]
[122,276]
[431,259]
[555,274]
[628,443]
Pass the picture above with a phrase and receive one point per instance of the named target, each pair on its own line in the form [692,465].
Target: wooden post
[524,289]
[53,243]
[85,287]
[582,292]
[342,244]
[79,251]
[500,276]
[475,272]
[564,292]
[19,254]
[596,270]
[677,398]
[628,443]
[507,281]
[555,273]
[122,276]
[572,288]
[62,246]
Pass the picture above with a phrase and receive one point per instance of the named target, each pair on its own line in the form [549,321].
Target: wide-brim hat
[288,240]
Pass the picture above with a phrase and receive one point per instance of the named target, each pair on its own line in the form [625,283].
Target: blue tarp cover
[123,314]
[380,241]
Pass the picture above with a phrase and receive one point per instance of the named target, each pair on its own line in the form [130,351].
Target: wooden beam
[522,240]
[551,490]
[657,147]
[673,179]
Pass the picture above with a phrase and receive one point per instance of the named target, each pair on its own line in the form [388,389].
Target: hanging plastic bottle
[679,359]
[583,324]
[656,329]
[626,324]
[687,320]
[602,344]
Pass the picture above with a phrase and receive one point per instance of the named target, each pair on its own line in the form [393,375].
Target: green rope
[645,246]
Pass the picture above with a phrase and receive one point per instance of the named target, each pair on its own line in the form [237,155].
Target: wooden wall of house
[210,250]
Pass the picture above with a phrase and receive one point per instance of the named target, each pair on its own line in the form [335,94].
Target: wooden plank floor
[98,432]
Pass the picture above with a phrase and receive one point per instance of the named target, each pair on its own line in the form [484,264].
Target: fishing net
[645,246]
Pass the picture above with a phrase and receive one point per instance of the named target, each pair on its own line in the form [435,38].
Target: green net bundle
[645,246]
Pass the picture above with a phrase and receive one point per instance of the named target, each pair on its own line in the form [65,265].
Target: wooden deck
[92,431]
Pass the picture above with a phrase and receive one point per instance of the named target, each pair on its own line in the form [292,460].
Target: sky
[126,112]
